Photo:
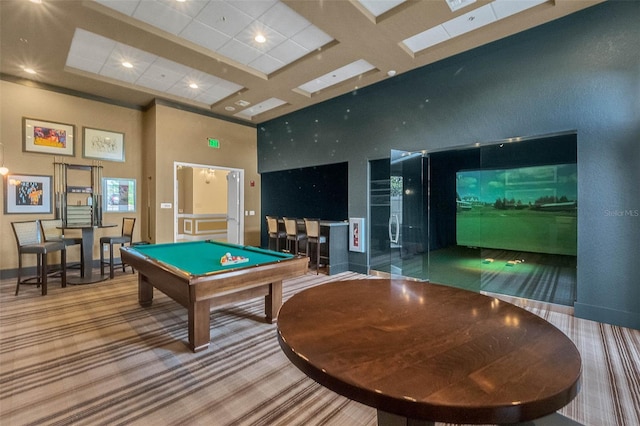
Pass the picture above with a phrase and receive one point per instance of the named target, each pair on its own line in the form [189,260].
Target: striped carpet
[89,355]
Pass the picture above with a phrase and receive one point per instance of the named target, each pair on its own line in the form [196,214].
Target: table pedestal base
[555,419]
[87,279]
[389,419]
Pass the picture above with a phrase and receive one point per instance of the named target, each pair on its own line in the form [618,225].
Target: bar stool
[52,232]
[312,227]
[293,235]
[30,241]
[274,231]
[125,238]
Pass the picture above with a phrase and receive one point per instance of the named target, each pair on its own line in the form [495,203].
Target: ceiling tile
[284,20]
[162,75]
[288,52]
[459,4]
[266,64]
[239,52]
[470,21]
[229,27]
[224,17]
[162,16]
[149,71]
[260,108]
[336,76]
[273,37]
[378,7]
[311,38]
[205,36]
[190,8]
[255,8]
[426,39]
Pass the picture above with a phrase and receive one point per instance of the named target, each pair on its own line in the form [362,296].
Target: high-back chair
[274,231]
[52,232]
[29,241]
[294,236]
[125,237]
[312,226]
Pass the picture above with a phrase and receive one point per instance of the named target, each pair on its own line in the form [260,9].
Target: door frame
[240,195]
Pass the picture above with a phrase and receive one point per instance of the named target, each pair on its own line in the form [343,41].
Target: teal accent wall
[580,73]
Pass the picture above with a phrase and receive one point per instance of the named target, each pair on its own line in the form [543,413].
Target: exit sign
[214,143]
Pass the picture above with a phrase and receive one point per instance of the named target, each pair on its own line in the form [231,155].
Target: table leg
[199,323]
[145,291]
[87,255]
[273,301]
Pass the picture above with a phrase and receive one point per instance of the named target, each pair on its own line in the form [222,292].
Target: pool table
[191,273]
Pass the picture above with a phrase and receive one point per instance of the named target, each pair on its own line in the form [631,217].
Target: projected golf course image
[531,209]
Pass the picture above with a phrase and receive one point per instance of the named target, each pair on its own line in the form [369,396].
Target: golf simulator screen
[531,209]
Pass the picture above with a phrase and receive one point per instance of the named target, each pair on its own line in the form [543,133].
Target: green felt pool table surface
[203,257]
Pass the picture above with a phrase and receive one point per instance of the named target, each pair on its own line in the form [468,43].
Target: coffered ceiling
[249,60]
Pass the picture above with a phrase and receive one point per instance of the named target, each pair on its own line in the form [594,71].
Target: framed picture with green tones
[119,195]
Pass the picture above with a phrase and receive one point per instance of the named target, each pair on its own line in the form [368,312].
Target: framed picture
[46,137]
[102,144]
[118,195]
[356,234]
[26,194]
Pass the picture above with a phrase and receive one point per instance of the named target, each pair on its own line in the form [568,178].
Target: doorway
[208,203]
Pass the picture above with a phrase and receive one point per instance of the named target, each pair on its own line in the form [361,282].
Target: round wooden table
[428,352]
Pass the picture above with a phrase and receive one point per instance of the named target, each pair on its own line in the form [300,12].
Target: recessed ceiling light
[127,64]
[36,1]
[391,73]
[193,85]
[260,38]
[29,70]
[229,108]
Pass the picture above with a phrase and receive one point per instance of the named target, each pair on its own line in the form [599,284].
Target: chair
[126,237]
[274,231]
[312,227]
[29,241]
[52,232]
[293,235]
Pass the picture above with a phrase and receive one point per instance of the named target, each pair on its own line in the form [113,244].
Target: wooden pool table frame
[199,293]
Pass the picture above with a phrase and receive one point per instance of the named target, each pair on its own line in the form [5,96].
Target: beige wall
[154,139]
[202,192]
[182,136]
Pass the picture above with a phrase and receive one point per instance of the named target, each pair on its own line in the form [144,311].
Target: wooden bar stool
[312,227]
[125,238]
[274,232]
[294,236]
[29,241]
[52,232]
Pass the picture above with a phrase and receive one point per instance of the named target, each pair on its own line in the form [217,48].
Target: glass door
[408,208]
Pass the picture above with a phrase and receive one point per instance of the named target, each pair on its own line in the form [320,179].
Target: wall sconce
[3,169]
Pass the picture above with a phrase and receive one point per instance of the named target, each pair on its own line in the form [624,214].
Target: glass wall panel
[379,214]
[408,215]
[514,230]
[498,218]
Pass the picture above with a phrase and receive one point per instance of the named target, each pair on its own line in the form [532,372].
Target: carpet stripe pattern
[90,355]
